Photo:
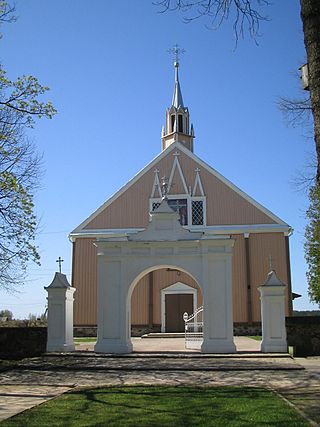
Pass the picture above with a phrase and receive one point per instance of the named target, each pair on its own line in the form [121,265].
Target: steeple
[177,127]
[177,100]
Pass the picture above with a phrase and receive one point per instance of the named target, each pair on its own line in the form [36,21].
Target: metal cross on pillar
[271,262]
[60,261]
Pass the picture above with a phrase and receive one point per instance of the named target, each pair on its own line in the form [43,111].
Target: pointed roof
[177,100]
[59,281]
[273,280]
[279,223]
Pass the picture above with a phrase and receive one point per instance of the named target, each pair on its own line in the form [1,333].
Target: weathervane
[176,51]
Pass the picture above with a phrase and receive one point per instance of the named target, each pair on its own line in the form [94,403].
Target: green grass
[163,406]
[256,337]
[78,340]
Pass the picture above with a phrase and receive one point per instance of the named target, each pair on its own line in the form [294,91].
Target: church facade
[206,202]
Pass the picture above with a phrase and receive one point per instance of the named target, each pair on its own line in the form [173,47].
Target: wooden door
[175,306]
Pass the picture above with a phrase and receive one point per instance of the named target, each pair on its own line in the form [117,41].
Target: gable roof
[177,145]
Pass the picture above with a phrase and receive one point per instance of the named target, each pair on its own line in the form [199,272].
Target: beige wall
[260,247]
[224,206]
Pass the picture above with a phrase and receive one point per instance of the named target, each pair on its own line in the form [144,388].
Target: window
[191,210]
[155,205]
[180,206]
[197,212]
[180,123]
[173,119]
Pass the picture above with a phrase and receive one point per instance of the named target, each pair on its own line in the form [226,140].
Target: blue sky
[111,79]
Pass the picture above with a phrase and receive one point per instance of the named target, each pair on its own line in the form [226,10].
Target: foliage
[6,313]
[312,244]
[163,406]
[20,105]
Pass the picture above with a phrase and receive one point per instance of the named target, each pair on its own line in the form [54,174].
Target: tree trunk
[310,16]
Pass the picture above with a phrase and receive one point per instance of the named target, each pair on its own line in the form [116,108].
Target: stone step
[164,335]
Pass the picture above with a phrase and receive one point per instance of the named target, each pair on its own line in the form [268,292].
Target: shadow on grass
[163,406]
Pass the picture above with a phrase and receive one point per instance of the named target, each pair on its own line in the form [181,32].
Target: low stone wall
[19,342]
[303,333]
[246,329]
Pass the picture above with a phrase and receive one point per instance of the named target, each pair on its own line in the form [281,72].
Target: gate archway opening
[157,302]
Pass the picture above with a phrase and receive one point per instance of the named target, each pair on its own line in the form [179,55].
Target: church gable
[187,178]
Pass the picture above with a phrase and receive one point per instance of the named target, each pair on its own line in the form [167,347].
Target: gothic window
[180,123]
[173,118]
[197,212]
[180,206]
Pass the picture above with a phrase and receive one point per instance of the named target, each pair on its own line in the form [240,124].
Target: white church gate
[123,261]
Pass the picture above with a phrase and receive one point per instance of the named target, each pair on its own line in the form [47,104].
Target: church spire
[177,100]
[177,126]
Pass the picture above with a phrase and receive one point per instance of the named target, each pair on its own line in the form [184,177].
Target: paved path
[36,380]
[176,344]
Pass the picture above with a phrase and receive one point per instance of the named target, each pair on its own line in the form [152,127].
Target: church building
[206,202]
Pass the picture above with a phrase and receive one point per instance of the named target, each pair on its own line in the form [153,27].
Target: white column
[60,314]
[112,324]
[272,295]
[217,306]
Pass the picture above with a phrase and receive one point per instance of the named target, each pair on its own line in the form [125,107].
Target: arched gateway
[123,261]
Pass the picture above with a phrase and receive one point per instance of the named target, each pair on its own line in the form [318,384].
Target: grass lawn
[145,406]
[256,337]
[79,340]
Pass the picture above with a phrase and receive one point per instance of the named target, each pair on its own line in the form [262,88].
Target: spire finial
[176,51]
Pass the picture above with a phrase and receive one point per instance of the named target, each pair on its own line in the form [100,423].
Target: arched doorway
[159,300]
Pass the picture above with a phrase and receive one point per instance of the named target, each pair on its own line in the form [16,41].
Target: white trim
[176,288]
[197,181]
[156,184]
[164,153]
[175,165]
[211,229]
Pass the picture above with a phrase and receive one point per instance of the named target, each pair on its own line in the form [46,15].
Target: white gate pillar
[113,335]
[274,337]
[217,305]
[60,314]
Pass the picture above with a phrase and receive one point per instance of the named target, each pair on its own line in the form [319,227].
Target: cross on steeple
[176,51]
[60,261]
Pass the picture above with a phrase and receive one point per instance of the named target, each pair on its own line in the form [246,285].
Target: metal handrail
[187,318]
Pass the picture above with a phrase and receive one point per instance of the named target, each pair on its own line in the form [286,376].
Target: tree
[20,105]
[246,15]
[6,313]
[312,244]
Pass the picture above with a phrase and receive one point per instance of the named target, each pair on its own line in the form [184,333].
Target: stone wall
[303,333]
[19,342]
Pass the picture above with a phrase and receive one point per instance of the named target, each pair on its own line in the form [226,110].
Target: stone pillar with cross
[272,295]
[60,314]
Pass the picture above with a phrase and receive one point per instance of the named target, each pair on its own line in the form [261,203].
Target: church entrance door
[175,306]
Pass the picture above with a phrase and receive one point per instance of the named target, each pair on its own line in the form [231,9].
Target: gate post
[274,337]
[60,314]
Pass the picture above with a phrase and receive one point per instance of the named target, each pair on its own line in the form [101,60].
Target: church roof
[273,222]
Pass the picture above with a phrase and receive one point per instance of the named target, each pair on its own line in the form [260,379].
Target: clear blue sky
[111,80]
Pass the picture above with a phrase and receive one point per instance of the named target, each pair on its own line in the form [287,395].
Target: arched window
[180,123]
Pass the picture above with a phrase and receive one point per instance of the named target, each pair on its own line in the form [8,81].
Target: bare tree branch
[245,14]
